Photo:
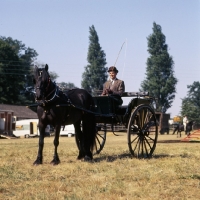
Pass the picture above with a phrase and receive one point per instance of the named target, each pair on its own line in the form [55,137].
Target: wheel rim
[142,132]
[100,138]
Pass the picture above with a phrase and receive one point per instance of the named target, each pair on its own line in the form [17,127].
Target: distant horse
[52,110]
[180,127]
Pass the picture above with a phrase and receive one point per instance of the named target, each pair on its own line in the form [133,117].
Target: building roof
[19,111]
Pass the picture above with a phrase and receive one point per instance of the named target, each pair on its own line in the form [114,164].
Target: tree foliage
[160,81]
[15,71]
[95,73]
[66,86]
[191,103]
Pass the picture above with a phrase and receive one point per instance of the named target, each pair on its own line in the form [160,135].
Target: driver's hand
[109,91]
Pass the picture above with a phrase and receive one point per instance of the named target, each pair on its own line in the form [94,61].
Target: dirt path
[173,138]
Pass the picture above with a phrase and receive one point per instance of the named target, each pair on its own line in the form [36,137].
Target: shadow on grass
[113,157]
[129,156]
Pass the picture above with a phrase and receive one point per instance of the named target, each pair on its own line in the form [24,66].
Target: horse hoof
[87,159]
[80,157]
[55,162]
[37,163]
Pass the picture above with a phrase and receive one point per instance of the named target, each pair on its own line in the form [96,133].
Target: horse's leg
[175,129]
[39,158]
[79,140]
[56,159]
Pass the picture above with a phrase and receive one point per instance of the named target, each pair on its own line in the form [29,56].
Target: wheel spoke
[138,153]
[100,136]
[142,147]
[147,153]
[97,140]
[150,138]
[100,140]
[136,144]
[137,137]
[148,143]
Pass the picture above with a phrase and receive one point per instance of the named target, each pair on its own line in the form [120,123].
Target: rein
[54,96]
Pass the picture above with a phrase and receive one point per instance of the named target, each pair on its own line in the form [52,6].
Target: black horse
[57,109]
[179,128]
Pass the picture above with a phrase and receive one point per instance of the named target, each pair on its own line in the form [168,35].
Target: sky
[59,31]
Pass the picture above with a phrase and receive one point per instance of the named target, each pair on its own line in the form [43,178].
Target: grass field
[172,173]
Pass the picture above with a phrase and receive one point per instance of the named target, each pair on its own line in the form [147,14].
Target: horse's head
[41,81]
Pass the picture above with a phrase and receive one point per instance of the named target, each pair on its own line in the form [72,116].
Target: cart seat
[105,104]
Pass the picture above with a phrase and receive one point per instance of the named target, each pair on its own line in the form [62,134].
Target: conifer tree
[95,73]
[191,103]
[160,81]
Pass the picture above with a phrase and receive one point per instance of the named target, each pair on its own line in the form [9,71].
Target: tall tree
[15,71]
[160,81]
[95,72]
[191,103]
[66,86]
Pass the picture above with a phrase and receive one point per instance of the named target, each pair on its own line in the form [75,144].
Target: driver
[113,85]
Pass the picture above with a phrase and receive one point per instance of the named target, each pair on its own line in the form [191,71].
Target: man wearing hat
[113,85]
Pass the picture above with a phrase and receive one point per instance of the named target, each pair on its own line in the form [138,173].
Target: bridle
[55,91]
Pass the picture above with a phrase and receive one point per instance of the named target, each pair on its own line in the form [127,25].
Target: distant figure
[47,131]
[189,127]
[185,121]
[113,85]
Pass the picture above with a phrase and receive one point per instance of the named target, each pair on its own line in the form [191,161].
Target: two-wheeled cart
[138,117]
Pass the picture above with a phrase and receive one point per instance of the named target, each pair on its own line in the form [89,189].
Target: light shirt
[112,81]
[185,120]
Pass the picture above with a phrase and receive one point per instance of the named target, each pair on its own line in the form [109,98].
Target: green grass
[173,172]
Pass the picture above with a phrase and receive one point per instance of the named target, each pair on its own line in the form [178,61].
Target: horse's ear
[46,67]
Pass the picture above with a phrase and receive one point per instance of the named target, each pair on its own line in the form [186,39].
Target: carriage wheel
[99,140]
[142,132]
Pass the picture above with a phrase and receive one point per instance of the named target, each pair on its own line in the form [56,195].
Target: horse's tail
[89,126]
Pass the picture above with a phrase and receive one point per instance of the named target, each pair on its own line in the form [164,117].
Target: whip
[119,53]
